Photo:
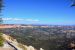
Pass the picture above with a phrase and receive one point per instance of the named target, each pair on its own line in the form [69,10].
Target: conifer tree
[1,5]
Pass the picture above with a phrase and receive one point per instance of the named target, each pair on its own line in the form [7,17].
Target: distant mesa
[20,25]
[7,26]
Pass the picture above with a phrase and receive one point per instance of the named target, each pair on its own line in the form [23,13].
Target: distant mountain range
[31,25]
[19,25]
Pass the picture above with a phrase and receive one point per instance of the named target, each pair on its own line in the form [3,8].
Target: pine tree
[1,5]
[73,3]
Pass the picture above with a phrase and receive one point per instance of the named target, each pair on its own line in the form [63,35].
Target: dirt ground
[6,49]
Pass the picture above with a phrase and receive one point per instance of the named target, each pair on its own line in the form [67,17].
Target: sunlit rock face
[41,49]
[14,41]
[30,48]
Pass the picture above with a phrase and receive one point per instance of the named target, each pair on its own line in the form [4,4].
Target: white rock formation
[41,49]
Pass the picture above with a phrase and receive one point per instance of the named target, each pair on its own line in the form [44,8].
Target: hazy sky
[38,12]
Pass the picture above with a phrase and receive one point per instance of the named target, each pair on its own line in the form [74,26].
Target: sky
[54,12]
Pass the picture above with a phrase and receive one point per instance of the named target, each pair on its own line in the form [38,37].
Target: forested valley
[50,38]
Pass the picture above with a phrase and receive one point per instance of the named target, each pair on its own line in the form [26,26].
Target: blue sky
[56,12]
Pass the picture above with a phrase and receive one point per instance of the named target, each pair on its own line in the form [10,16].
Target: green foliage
[1,40]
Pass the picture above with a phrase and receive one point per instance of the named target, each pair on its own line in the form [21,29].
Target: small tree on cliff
[73,3]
